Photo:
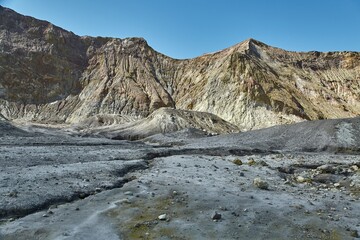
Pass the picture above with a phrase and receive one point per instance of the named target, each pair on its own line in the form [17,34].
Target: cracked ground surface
[62,187]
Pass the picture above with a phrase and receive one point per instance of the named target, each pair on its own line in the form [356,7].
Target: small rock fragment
[237,162]
[354,233]
[259,183]
[263,163]
[122,201]
[162,217]
[128,193]
[355,168]
[301,179]
[326,169]
[251,162]
[324,178]
[13,194]
[216,216]
[82,195]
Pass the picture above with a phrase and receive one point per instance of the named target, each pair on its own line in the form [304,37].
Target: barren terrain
[57,186]
[105,138]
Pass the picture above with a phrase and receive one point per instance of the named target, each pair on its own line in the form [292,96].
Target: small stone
[223,208]
[13,194]
[122,201]
[237,162]
[354,233]
[301,179]
[128,193]
[259,183]
[45,215]
[355,168]
[162,217]
[324,178]
[326,169]
[336,184]
[216,216]
[82,195]
[251,162]
[77,209]
[263,163]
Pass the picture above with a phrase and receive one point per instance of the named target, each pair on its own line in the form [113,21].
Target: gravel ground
[185,185]
[190,189]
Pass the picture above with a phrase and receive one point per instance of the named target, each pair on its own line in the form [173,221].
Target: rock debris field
[183,185]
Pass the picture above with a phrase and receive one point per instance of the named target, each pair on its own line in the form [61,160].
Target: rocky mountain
[51,75]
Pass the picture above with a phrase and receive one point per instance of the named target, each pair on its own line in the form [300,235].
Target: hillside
[50,75]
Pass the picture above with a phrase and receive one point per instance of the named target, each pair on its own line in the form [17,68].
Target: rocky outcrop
[50,75]
[254,85]
[163,120]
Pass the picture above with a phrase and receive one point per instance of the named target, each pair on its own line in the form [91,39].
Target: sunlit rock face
[50,75]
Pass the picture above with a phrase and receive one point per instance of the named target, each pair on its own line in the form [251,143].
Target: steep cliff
[50,75]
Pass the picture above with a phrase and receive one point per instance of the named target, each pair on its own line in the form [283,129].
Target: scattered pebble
[162,217]
[216,216]
[325,168]
[237,162]
[263,163]
[128,193]
[354,233]
[259,183]
[122,201]
[301,179]
[251,162]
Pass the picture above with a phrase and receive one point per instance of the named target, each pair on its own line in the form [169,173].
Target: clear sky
[189,28]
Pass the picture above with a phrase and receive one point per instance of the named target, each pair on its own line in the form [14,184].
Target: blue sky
[189,28]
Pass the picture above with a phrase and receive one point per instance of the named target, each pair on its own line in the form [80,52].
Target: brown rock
[48,74]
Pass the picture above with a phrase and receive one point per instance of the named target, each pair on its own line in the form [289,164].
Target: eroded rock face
[51,75]
[163,120]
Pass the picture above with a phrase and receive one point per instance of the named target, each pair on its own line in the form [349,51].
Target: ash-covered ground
[289,182]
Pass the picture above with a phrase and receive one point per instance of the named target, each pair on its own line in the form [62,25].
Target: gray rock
[216,216]
[326,169]
[162,217]
[259,183]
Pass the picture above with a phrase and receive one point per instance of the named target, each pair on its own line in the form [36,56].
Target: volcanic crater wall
[51,75]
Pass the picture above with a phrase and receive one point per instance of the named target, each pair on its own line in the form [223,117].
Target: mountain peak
[52,75]
[248,44]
